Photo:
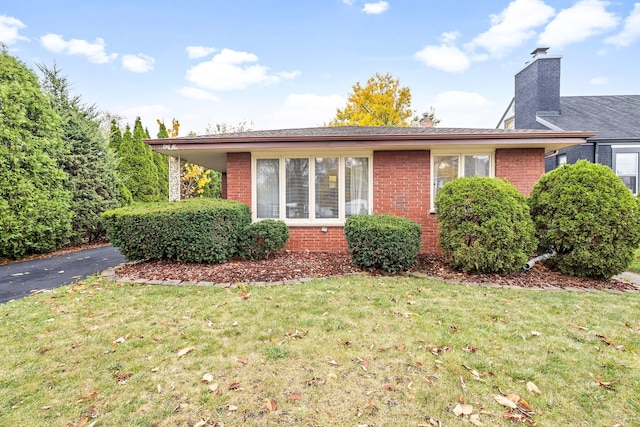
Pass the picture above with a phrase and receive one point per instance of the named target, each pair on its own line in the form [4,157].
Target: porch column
[174,179]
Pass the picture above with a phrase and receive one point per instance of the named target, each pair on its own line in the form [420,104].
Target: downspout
[529,265]
[596,146]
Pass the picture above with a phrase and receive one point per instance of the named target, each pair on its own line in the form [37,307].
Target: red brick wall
[401,186]
[223,186]
[314,239]
[522,167]
[239,177]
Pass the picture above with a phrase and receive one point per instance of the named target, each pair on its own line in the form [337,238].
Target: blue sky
[291,63]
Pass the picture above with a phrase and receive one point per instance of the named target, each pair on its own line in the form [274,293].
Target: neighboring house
[314,178]
[616,119]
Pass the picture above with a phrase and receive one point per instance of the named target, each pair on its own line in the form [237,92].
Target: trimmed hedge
[484,225]
[384,242]
[194,230]
[586,214]
[262,238]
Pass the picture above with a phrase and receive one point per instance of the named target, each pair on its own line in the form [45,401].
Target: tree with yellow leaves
[381,102]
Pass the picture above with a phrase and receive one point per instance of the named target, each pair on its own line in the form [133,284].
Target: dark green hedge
[384,242]
[194,230]
[484,225]
[260,239]
[586,214]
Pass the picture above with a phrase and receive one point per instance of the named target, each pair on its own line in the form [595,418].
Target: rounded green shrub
[586,214]
[260,239]
[484,225]
[383,242]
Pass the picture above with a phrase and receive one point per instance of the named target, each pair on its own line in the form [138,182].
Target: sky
[277,64]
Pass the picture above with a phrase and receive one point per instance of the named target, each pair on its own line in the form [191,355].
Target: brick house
[314,178]
[537,104]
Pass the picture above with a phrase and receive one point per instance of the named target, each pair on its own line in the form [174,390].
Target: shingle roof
[362,131]
[616,116]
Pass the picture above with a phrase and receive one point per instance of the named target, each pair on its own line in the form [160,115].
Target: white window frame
[461,155]
[311,221]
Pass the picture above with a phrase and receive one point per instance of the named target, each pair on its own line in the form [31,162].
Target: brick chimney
[537,90]
[425,121]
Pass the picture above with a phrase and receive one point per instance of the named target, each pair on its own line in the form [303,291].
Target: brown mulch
[297,265]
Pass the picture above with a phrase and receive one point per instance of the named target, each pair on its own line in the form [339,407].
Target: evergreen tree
[115,140]
[162,165]
[89,164]
[35,213]
[136,166]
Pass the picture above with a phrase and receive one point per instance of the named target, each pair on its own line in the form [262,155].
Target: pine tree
[115,141]
[35,213]
[89,163]
[136,166]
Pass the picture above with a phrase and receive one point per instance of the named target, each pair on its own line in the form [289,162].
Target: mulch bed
[298,265]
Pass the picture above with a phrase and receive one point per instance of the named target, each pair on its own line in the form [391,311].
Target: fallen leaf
[457,410]
[400,347]
[207,378]
[234,386]
[46,408]
[475,420]
[87,398]
[467,409]
[243,360]
[607,385]
[533,388]
[573,325]
[463,384]
[119,340]
[505,401]
[201,423]
[331,361]
[232,408]
[185,351]
[535,333]
[213,387]
[270,404]
[295,396]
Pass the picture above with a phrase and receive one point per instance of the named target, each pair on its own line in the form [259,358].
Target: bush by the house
[196,230]
[586,214]
[484,225]
[384,242]
[262,238]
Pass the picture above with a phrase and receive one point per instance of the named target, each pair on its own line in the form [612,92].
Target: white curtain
[357,186]
[267,189]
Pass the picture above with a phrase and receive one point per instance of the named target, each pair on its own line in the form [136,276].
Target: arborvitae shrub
[384,242]
[586,214]
[484,225]
[195,230]
[262,238]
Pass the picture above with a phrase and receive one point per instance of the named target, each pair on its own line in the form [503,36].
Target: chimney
[537,90]
[425,121]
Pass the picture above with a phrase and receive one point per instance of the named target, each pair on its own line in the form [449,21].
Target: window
[627,169]
[312,189]
[447,167]
[561,159]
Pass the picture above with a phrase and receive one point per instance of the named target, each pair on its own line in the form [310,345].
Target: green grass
[635,264]
[354,351]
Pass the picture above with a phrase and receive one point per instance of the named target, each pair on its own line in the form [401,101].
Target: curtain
[267,189]
[356,186]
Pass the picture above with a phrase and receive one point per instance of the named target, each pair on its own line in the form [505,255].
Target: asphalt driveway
[20,278]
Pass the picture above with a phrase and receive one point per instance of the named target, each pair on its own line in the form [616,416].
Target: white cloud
[599,81]
[577,23]
[9,28]
[95,51]
[445,57]
[375,8]
[631,30]
[348,2]
[463,109]
[147,113]
[195,93]
[513,26]
[228,70]
[199,51]
[139,63]
[305,110]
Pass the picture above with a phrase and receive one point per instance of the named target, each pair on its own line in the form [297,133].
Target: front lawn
[373,351]
[635,264]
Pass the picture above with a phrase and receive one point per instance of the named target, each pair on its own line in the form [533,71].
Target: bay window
[313,190]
